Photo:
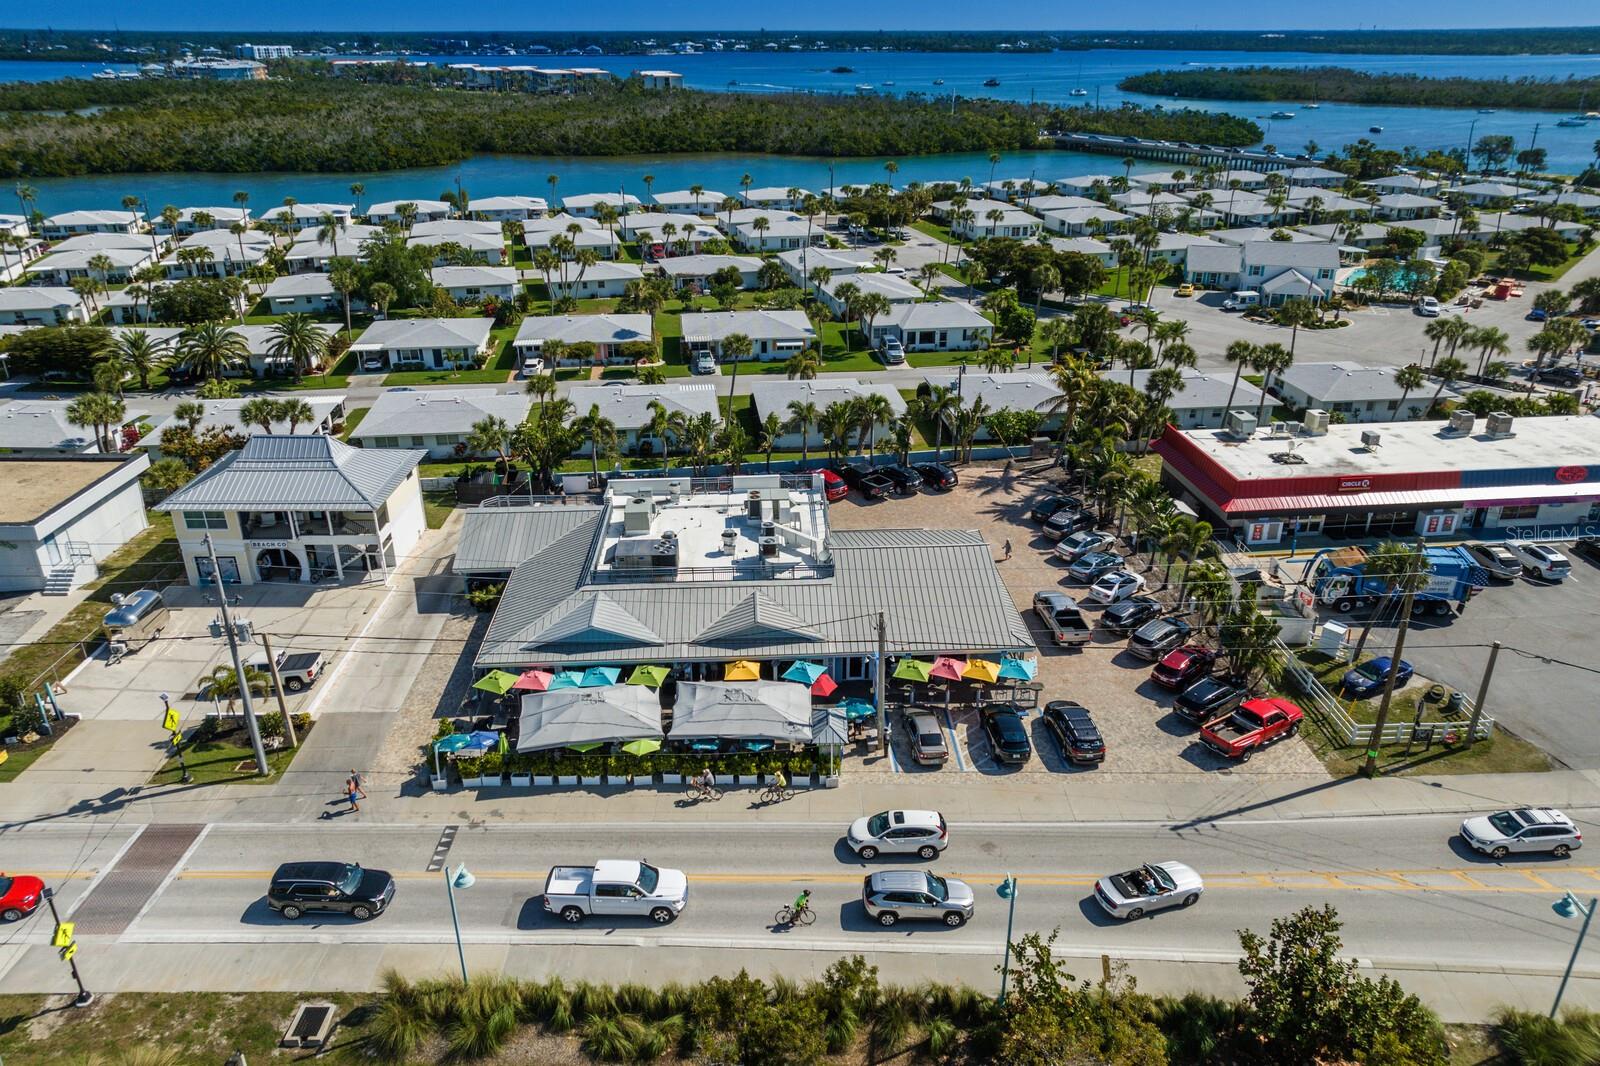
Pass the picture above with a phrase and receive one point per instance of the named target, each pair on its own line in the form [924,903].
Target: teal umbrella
[856,710]
[1018,669]
[599,676]
[565,679]
[804,672]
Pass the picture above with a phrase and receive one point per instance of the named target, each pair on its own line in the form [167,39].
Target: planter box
[441,782]
[490,780]
[565,779]
[672,779]
[831,781]
[722,779]
[472,782]
[749,779]
[596,780]
[543,780]
[805,781]
[521,780]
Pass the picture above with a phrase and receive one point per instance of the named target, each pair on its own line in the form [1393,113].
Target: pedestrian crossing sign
[170,720]
[69,951]
[63,935]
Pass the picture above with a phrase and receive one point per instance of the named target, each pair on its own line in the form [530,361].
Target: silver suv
[892,895]
[1527,829]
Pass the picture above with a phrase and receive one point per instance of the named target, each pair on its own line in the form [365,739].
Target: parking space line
[955,742]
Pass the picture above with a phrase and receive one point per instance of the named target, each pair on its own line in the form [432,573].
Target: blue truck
[1336,576]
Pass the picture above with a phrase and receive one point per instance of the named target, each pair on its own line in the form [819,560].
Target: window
[205,520]
[449,438]
[1522,511]
[1255,272]
[419,442]
[386,442]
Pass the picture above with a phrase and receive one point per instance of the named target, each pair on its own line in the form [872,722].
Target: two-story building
[61,516]
[1278,270]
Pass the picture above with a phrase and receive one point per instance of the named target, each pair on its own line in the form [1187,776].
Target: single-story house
[509,208]
[1011,190]
[629,226]
[1083,221]
[1089,246]
[450,227]
[944,210]
[439,421]
[1146,200]
[62,515]
[305,216]
[327,412]
[774,335]
[1314,177]
[602,280]
[472,284]
[1242,235]
[1016,391]
[1247,179]
[557,223]
[1279,270]
[800,262]
[307,253]
[302,509]
[703,202]
[40,427]
[1398,205]
[1056,202]
[189,220]
[607,332]
[311,294]
[1085,184]
[61,268]
[1359,393]
[490,250]
[425,343]
[774,397]
[260,340]
[1484,193]
[775,196]
[228,259]
[1403,183]
[1319,203]
[936,326]
[895,289]
[587,205]
[1586,202]
[780,235]
[1356,243]
[389,211]
[628,408]
[1013,222]
[71,223]
[1252,209]
[1202,403]
[603,244]
[99,242]
[694,271]
[41,305]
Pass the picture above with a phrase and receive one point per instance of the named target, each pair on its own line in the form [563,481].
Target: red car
[1183,666]
[833,486]
[19,896]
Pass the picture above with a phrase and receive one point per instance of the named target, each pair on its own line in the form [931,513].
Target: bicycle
[787,915]
[776,794]
[705,792]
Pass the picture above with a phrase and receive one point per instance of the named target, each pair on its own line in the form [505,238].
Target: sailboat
[1077,88]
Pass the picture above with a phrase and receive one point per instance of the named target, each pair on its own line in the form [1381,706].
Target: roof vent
[1462,421]
[1370,439]
[1499,426]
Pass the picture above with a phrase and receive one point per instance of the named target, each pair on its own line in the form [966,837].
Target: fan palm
[296,340]
[102,411]
[803,415]
[210,349]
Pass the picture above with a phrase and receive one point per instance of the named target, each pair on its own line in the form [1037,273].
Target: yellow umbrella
[982,670]
[743,670]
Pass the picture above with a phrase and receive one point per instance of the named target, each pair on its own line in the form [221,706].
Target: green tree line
[1363,87]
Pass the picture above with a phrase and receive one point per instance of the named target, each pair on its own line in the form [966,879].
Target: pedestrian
[1008,549]
[354,793]
[355,783]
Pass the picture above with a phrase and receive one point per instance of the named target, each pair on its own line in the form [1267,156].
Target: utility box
[1331,640]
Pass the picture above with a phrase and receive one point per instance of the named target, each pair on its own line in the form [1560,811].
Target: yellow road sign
[63,935]
[170,720]
[69,951]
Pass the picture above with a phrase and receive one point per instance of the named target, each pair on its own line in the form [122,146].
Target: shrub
[486,597]
[1535,1040]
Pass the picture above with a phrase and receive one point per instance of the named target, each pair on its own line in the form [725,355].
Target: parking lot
[1134,715]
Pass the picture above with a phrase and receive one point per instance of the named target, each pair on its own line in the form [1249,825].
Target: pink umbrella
[533,680]
[948,669]
[823,686]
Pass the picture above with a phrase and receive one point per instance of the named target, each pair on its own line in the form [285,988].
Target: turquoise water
[1402,277]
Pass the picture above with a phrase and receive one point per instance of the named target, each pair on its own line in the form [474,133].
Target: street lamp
[1567,906]
[1007,890]
[452,881]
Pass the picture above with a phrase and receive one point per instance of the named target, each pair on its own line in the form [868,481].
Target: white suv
[1540,559]
[920,833]
[1527,829]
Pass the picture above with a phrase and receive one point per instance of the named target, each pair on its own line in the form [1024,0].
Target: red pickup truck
[1255,724]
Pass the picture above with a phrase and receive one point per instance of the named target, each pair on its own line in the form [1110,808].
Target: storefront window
[1519,513]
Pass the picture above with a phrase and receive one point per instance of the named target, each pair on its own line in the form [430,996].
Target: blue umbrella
[597,676]
[483,740]
[757,745]
[1018,669]
[804,672]
[453,742]
[565,679]
[855,710]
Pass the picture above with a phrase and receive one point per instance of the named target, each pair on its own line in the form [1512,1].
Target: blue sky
[877,14]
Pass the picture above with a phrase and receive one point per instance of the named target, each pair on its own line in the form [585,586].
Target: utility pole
[1483,694]
[238,664]
[1371,767]
[277,687]
[877,682]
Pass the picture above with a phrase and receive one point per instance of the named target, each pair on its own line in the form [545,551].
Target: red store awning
[1488,496]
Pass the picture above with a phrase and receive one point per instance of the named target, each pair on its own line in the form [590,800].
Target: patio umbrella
[804,672]
[824,686]
[565,679]
[1019,669]
[497,681]
[947,668]
[982,670]
[757,745]
[913,670]
[533,681]
[586,746]
[596,676]
[743,670]
[641,747]
[856,710]
[482,740]
[453,742]
[649,676]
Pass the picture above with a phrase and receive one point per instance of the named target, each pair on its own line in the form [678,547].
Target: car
[532,366]
[1369,678]
[905,478]
[1182,665]
[1185,289]
[1524,829]
[1428,307]
[1008,737]
[1540,560]
[1154,886]
[1050,505]
[1538,314]
[833,486]
[1155,638]
[1065,523]
[928,745]
[866,480]
[1117,585]
[1130,614]
[1496,560]
[893,352]
[1588,547]
[1207,699]
[1083,542]
[1564,375]
[1093,566]
[1075,732]
[1590,324]
[297,888]
[703,363]
[937,475]
[920,833]
[890,896]
[374,361]
[20,896]
[1061,616]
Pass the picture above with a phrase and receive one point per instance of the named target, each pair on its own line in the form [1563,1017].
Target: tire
[1441,608]
[1344,606]
[955,919]
[927,851]
[1135,914]
[11,914]
[662,915]
[1561,851]
[867,853]
[1244,757]
[808,916]
[291,912]
[1499,852]
[1292,730]
[294,684]
[1191,899]
[361,912]
[572,915]
[888,918]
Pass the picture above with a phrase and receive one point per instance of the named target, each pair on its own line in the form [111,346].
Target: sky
[682,14]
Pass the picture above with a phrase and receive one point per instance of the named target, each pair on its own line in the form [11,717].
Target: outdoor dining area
[655,726]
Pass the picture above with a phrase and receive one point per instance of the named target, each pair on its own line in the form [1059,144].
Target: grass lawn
[18,761]
[438,505]
[935,230]
[352,420]
[1534,273]
[212,761]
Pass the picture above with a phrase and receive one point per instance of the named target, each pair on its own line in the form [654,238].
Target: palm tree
[542,387]
[602,436]
[658,426]
[109,374]
[210,348]
[102,411]
[1490,341]
[1408,378]
[330,227]
[295,411]
[343,275]
[870,306]
[1296,313]
[551,180]
[297,340]
[134,349]
[357,191]
[1269,359]
[873,410]
[940,404]
[490,434]
[771,430]
[1448,370]
[261,411]
[803,364]
[27,196]
[735,346]
[381,294]
[803,414]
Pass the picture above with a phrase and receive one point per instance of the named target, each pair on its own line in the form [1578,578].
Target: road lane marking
[441,850]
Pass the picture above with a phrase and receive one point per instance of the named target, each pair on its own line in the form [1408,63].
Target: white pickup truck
[616,887]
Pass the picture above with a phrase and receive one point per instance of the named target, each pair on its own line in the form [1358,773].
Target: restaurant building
[1533,478]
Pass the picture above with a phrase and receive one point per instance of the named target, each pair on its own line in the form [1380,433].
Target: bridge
[1190,155]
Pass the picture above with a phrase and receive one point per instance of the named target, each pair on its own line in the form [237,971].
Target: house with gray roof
[597,239]
[601,281]
[389,211]
[774,335]
[1356,392]
[1083,221]
[1315,177]
[933,326]
[41,305]
[1092,247]
[1013,222]
[1398,205]
[893,288]
[311,294]
[800,262]
[327,412]
[71,223]
[305,509]
[702,203]
[63,268]
[1016,391]
[628,407]
[587,205]
[425,343]
[190,219]
[40,427]
[487,248]
[774,397]
[509,208]
[1484,193]
[1403,183]
[1203,402]
[694,271]
[607,332]
[306,216]
[439,421]
[308,253]
[474,284]
[261,342]
[1279,270]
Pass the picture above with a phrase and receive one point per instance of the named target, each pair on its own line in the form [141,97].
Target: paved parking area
[1142,734]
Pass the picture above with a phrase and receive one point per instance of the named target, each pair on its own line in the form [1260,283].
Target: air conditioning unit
[1240,424]
[1370,439]
[1499,425]
[1462,421]
[1315,423]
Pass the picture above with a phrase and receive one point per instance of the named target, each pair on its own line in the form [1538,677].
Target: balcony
[267,525]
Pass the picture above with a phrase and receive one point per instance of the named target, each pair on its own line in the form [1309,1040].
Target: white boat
[865,87]
[1591,116]
[1283,114]
[938,81]
[1079,92]
[1310,107]
[1485,110]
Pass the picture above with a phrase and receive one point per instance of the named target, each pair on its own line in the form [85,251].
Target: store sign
[1355,484]
[1572,475]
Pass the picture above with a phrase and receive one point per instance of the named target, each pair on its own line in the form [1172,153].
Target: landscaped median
[219,750]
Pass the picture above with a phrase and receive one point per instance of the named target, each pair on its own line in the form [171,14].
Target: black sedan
[937,475]
[870,483]
[1075,732]
[1208,698]
[1123,618]
[1051,504]
[906,480]
[1008,736]
[1566,376]
[1588,547]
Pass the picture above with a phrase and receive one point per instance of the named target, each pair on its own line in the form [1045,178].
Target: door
[228,565]
[614,899]
[53,551]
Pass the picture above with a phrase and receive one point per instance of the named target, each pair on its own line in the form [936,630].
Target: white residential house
[189,220]
[659,79]
[774,335]
[1406,205]
[632,224]
[61,268]
[782,233]
[14,260]
[597,240]
[1279,270]
[628,408]
[1243,235]
[1013,222]
[694,271]
[41,427]
[1016,391]
[311,294]
[41,305]
[303,508]
[490,249]
[607,332]
[1359,393]
[1057,202]
[774,397]
[71,223]
[1083,221]
[452,227]
[327,413]
[703,202]
[228,259]
[1586,202]
[306,216]
[601,281]
[1085,184]
[556,223]
[800,262]
[1485,193]
[1403,183]
[775,197]
[1314,177]
[439,421]
[587,205]
[509,208]
[473,284]
[1247,179]
[1092,247]
[62,515]
[945,210]
[307,253]
[1202,403]
[896,290]
[426,211]
[425,344]
[937,326]
[1173,246]
[1252,209]
[260,342]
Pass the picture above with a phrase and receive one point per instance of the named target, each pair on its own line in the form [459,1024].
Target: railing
[1338,721]
[666,575]
[585,498]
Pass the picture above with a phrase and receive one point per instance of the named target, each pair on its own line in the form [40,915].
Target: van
[136,619]
[1241,300]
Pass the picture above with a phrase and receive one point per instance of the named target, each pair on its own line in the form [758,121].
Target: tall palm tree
[601,434]
[660,425]
[209,349]
[771,430]
[1408,378]
[102,411]
[297,340]
[1269,359]
[1448,370]
[343,275]
[938,406]
[541,387]
[136,350]
[1491,341]
[357,191]
[803,415]
[490,434]
[874,410]
[330,227]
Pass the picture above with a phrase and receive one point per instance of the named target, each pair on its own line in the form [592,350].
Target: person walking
[1007,549]
[355,783]
[354,792]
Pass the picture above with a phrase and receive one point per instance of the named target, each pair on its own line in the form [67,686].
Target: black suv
[904,478]
[937,475]
[1208,698]
[1588,548]
[1076,733]
[339,887]
[1123,618]
[1066,522]
[870,483]
[1007,735]
[1569,376]
[1051,504]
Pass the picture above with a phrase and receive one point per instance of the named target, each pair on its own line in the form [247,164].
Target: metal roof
[500,539]
[313,472]
[404,414]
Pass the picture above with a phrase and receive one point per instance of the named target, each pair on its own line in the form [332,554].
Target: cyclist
[802,903]
[702,782]
[780,780]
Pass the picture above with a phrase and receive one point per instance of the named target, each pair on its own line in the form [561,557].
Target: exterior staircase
[78,568]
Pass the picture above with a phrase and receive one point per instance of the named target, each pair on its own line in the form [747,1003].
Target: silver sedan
[1154,886]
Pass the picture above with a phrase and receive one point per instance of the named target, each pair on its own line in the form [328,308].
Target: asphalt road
[1405,888]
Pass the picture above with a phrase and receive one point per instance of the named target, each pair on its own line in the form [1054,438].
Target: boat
[1283,114]
[865,87]
[991,83]
[1077,83]
[1485,110]
[1591,116]
[888,83]
[842,70]
[1575,120]
[1374,129]
[1310,107]
[1079,92]
[938,81]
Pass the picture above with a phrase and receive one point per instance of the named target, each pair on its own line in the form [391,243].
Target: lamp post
[1567,906]
[452,881]
[1007,890]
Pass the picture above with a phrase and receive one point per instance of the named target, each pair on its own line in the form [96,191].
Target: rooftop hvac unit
[637,513]
[1499,425]
[769,546]
[1279,430]
[1315,423]
[753,504]
[1370,439]
[1462,421]
[1240,424]
[730,537]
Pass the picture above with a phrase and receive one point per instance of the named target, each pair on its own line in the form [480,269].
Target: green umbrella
[913,670]
[641,747]
[588,745]
[648,676]
[497,681]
